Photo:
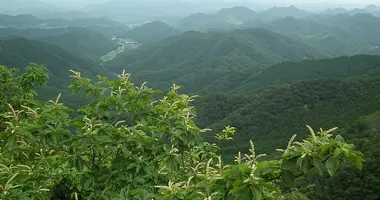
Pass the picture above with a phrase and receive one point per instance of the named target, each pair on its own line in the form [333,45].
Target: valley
[266,73]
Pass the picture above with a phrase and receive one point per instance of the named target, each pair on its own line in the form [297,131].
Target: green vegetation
[20,52]
[261,77]
[273,114]
[206,60]
[152,32]
[360,184]
[87,44]
[227,18]
[290,72]
[126,145]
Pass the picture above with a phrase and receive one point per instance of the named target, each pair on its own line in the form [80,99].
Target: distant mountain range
[241,17]
[206,58]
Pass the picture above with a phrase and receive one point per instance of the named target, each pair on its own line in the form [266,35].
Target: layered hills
[199,60]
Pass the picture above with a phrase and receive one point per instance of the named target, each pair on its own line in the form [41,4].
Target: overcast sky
[303,4]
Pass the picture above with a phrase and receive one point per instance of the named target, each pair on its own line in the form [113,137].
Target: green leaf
[287,178]
[357,161]
[332,165]
[87,185]
[337,152]
[244,194]
[319,166]
[258,194]
[11,142]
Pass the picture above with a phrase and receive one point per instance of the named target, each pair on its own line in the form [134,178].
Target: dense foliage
[127,144]
[359,184]
[273,114]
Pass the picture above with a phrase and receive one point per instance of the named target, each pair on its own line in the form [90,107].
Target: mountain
[152,32]
[20,52]
[83,42]
[205,61]
[370,9]
[280,98]
[290,72]
[226,18]
[281,12]
[100,24]
[32,33]
[336,35]
[334,39]
[19,20]
[334,11]
[363,26]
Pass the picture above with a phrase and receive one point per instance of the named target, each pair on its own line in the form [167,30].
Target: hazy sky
[260,4]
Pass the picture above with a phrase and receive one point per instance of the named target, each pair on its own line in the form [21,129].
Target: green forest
[237,104]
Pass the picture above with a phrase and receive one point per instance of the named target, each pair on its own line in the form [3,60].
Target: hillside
[19,20]
[152,32]
[20,52]
[337,35]
[102,25]
[334,11]
[83,42]
[281,12]
[198,61]
[224,19]
[272,115]
[290,72]
[370,9]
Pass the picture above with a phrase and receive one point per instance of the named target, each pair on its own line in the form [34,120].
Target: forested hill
[272,115]
[289,72]
[197,60]
[151,33]
[20,52]
[83,42]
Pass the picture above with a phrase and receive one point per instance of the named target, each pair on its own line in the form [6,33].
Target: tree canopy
[131,142]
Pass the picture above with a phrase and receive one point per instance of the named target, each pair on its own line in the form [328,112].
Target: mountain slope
[226,18]
[335,39]
[152,32]
[199,60]
[83,42]
[271,116]
[334,11]
[19,20]
[290,72]
[20,52]
[281,12]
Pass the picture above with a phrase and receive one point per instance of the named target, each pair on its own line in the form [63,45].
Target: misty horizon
[257,5]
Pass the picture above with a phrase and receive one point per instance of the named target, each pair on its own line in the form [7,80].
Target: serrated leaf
[332,165]
[287,178]
[337,152]
[319,166]
[244,194]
